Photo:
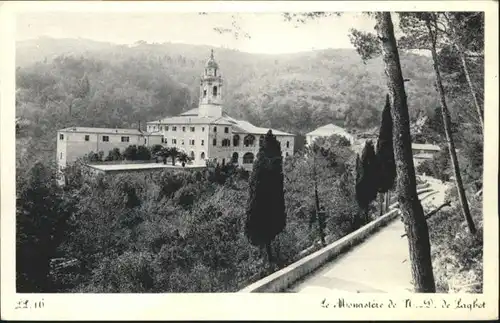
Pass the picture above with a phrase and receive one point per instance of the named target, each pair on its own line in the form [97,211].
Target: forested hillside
[181,231]
[64,82]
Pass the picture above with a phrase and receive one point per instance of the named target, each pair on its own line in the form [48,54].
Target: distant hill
[127,84]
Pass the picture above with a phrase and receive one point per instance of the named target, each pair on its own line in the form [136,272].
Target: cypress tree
[385,154]
[265,214]
[366,178]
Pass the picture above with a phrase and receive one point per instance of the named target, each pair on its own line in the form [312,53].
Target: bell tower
[211,90]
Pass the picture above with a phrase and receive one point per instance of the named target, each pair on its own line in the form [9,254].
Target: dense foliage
[386,167]
[182,231]
[366,177]
[65,82]
[457,255]
[169,231]
[265,215]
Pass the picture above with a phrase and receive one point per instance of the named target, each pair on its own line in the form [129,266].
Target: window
[182,141]
[191,142]
[215,91]
[184,129]
[125,139]
[287,145]
[226,142]
[161,128]
[166,128]
[203,142]
[162,140]
[105,138]
[248,140]
[215,142]
[215,129]
[204,93]
[202,129]
[234,158]
[174,128]
[286,154]
[60,156]
[174,141]
[61,137]
[192,155]
[202,155]
[192,129]
[226,130]
[248,158]
[236,140]
[87,137]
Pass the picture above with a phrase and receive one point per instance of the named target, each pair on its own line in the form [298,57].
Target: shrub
[457,255]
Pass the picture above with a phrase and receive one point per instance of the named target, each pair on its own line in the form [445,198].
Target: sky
[269,32]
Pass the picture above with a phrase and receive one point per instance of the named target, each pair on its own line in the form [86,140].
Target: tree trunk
[461,53]
[269,254]
[409,203]
[316,198]
[387,201]
[471,87]
[449,137]
[381,203]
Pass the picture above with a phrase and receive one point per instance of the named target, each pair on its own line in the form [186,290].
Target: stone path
[379,264]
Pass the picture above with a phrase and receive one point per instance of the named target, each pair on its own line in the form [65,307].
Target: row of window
[174,141]
[174,128]
[104,138]
[248,141]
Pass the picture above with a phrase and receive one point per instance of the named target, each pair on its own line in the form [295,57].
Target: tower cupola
[211,89]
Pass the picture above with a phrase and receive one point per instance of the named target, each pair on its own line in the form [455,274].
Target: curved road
[379,264]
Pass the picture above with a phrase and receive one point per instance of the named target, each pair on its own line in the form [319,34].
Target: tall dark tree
[385,156]
[265,214]
[366,178]
[318,214]
[431,23]
[384,44]
[466,29]
[41,220]
[412,211]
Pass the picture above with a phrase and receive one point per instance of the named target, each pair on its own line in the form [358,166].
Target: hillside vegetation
[67,82]
[183,231]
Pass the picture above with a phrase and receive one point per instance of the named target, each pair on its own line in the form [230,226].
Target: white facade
[76,142]
[423,152]
[327,131]
[207,133]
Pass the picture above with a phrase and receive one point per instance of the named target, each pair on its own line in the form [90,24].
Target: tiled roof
[187,120]
[239,126]
[141,166]
[106,130]
[242,126]
[192,112]
[425,147]
[328,130]
[423,156]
